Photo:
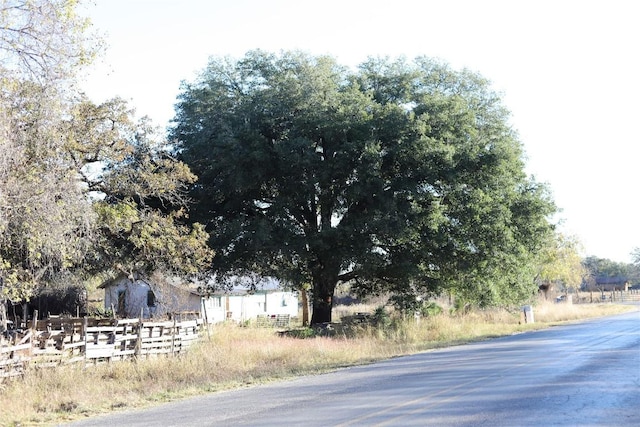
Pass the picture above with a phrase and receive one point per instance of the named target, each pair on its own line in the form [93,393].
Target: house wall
[240,308]
[246,307]
[283,303]
[135,299]
[213,309]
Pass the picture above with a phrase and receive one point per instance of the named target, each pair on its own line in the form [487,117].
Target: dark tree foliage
[605,268]
[399,177]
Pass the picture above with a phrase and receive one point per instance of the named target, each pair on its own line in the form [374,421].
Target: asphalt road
[585,374]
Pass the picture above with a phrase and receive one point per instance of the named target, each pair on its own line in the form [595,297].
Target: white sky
[569,71]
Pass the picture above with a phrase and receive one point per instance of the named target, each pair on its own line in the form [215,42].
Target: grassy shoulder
[233,357]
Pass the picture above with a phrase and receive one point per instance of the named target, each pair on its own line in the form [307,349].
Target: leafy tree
[45,40]
[606,267]
[138,190]
[561,264]
[83,188]
[45,221]
[635,269]
[43,218]
[397,177]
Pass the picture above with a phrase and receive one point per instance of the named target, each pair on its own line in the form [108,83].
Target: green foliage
[139,190]
[602,267]
[406,303]
[560,263]
[400,177]
[409,305]
[381,318]
[301,333]
[430,309]
[460,306]
[83,188]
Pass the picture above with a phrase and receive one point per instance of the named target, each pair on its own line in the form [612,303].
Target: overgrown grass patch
[242,356]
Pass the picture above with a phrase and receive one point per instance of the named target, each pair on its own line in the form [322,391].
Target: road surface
[585,374]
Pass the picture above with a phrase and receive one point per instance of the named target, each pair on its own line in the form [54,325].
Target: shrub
[430,309]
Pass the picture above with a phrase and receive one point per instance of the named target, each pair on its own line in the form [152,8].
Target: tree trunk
[3,316]
[324,276]
[305,307]
[321,310]
[322,302]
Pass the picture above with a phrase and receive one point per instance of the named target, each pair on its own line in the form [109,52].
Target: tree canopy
[561,265]
[606,268]
[400,177]
[45,221]
[44,40]
[137,190]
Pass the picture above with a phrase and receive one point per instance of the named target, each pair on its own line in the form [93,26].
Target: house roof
[110,282]
[615,280]
[236,286]
[119,279]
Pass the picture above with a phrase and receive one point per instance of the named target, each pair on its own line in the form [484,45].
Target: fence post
[138,350]
[34,320]
[85,326]
[4,313]
[206,317]
[173,337]
[34,328]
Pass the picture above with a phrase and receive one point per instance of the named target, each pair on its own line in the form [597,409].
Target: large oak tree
[400,177]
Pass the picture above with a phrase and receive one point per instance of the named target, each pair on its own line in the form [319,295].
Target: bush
[381,318]
[430,309]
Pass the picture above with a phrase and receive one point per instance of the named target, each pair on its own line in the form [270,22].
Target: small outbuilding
[608,283]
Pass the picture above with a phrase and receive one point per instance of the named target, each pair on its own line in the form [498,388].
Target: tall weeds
[241,356]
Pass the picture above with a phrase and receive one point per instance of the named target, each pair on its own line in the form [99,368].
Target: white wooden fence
[52,342]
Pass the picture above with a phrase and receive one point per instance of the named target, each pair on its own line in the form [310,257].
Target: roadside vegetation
[232,356]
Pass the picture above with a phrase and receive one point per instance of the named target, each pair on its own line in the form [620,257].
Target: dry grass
[549,313]
[239,356]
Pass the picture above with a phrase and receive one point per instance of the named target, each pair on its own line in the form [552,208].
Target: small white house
[244,306]
[132,297]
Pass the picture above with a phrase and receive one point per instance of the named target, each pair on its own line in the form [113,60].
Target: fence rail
[273,320]
[53,342]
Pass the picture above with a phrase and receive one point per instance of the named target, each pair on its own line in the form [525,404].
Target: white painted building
[242,307]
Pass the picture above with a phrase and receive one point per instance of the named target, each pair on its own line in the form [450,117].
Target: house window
[151,299]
